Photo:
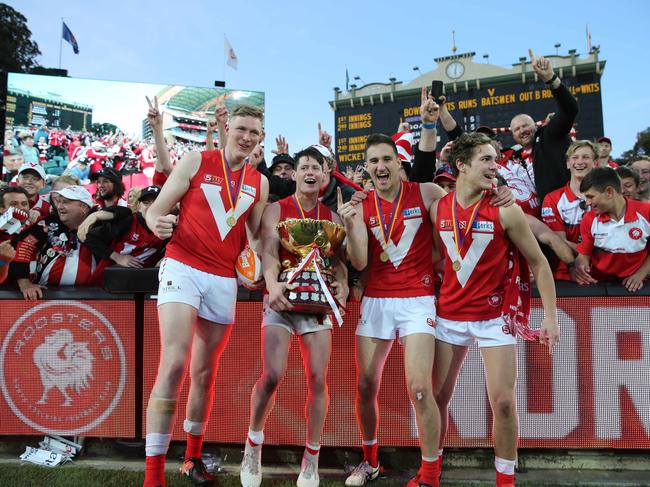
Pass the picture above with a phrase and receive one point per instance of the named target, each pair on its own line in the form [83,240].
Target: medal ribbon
[302,212]
[386,233]
[240,183]
[457,238]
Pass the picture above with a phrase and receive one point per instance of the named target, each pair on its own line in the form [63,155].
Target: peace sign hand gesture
[429,109]
[153,115]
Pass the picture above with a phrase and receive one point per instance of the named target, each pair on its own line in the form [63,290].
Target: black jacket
[551,143]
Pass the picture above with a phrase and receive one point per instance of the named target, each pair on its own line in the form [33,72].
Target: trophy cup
[313,242]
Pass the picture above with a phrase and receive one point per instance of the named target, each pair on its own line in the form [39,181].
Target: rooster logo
[63,363]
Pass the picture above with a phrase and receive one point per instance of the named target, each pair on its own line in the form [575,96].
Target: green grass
[71,476]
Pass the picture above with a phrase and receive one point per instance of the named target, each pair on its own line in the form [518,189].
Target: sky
[298,51]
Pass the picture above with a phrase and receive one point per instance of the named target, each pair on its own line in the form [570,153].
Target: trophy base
[307,297]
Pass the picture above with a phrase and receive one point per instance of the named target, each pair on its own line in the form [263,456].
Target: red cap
[604,139]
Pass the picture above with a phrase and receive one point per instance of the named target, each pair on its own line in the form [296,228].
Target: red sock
[428,473]
[154,471]
[311,451]
[194,443]
[505,479]
[370,454]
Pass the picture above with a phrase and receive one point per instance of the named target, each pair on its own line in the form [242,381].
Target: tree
[642,144]
[19,51]
[641,148]
[101,129]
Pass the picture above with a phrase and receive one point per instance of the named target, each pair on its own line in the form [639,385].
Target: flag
[231,57]
[588,40]
[68,36]
[347,79]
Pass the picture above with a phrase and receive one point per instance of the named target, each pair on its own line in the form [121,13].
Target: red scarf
[516,303]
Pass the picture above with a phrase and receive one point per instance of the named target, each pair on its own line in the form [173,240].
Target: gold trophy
[314,242]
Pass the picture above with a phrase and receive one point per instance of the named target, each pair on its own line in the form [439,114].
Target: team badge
[62,368]
[635,233]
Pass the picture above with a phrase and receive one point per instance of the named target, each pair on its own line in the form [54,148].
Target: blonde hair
[246,110]
[577,144]
[133,199]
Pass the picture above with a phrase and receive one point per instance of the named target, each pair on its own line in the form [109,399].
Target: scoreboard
[24,109]
[492,106]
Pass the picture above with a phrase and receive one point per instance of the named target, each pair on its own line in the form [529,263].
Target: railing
[83,361]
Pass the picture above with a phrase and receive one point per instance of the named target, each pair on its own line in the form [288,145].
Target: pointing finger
[339,197]
[530,53]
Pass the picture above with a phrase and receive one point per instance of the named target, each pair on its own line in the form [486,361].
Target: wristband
[550,82]
[571,264]
[428,125]
[3,263]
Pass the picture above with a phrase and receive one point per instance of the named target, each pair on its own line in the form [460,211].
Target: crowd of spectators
[66,214]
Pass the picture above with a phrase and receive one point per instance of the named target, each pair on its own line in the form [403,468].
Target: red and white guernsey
[289,209]
[408,268]
[561,211]
[521,181]
[617,248]
[204,239]
[476,291]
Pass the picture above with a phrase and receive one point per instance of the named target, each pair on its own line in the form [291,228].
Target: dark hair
[11,189]
[309,152]
[464,146]
[626,172]
[600,178]
[376,139]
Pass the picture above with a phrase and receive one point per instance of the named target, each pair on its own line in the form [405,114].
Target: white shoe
[308,471]
[362,474]
[250,473]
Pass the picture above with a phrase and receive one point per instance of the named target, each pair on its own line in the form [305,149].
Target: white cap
[324,151]
[78,193]
[32,166]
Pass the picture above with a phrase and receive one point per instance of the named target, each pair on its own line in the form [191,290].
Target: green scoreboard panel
[492,106]
[25,110]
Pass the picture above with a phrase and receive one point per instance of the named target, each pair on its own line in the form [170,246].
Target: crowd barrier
[83,362]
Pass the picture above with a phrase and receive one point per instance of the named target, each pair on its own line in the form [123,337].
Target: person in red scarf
[480,245]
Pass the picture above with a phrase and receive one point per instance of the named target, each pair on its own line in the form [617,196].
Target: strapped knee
[160,405]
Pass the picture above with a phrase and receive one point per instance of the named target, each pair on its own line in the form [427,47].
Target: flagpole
[223,55]
[60,42]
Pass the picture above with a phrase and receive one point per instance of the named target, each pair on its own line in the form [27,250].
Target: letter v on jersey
[213,196]
[396,253]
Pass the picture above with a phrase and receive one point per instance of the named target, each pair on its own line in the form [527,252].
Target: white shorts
[488,333]
[386,318]
[213,296]
[295,323]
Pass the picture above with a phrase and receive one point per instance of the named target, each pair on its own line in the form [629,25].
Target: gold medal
[456,265]
[383,256]
[231,221]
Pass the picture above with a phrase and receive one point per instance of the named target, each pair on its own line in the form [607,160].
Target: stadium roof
[191,99]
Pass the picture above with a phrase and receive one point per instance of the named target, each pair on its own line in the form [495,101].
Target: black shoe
[195,470]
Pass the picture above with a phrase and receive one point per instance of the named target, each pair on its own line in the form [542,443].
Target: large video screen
[108,119]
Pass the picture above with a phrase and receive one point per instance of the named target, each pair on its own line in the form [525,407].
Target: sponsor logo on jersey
[411,212]
[251,190]
[212,179]
[547,211]
[373,221]
[445,224]
[482,225]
